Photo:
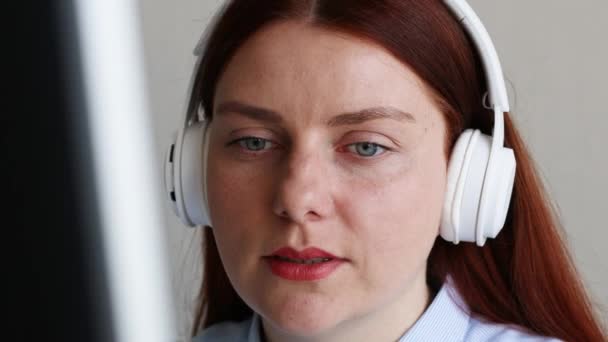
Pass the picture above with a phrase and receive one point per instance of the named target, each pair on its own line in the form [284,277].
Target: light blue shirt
[442,321]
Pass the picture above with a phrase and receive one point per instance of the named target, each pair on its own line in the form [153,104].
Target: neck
[387,323]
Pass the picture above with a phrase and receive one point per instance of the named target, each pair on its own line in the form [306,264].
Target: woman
[331,126]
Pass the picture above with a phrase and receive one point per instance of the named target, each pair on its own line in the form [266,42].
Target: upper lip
[308,253]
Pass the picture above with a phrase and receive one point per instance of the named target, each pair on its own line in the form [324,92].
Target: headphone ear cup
[499,190]
[191,184]
[455,181]
[475,184]
[477,192]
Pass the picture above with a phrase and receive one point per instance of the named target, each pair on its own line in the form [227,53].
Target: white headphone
[480,175]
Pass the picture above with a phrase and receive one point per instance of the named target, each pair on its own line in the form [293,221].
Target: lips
[306,254]
[307,265]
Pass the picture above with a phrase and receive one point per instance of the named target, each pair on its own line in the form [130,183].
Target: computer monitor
[83,184]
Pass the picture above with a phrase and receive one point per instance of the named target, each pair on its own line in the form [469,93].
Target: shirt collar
[446,319]
[254,329]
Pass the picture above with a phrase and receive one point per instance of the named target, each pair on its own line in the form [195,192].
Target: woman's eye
[363,149]
[366,149]
[253,144]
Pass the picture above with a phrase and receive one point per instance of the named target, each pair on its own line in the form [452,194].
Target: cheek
[236,193]
[238,206]
[398,217]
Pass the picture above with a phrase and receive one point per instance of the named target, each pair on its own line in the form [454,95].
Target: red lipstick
[307,265]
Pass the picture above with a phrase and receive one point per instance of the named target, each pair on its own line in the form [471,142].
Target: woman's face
[323,140]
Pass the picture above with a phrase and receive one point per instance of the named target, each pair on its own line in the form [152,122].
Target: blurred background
[554,57]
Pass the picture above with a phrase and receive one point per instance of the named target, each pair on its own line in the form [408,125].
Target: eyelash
[255,152]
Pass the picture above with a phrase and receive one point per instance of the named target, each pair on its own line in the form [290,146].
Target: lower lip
[303,272]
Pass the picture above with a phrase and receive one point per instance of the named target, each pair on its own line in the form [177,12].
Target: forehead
[292,66]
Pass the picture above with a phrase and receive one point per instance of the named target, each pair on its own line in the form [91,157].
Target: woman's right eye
[253,144]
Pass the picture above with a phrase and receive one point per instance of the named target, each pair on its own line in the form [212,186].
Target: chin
[304,317]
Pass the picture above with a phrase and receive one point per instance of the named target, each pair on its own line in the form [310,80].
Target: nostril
[284,215]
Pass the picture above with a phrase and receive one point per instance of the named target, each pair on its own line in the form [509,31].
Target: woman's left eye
[367,149]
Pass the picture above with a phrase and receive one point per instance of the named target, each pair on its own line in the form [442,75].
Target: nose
[303,190]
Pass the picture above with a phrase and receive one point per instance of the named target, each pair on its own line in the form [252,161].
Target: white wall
[171,29]
[554,55]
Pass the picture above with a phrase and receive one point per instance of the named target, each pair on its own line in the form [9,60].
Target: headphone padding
[192,175]
[449,228]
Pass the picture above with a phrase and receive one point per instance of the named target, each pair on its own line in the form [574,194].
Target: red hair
[525,276]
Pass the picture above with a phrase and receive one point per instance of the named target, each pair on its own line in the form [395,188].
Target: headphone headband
[489,57]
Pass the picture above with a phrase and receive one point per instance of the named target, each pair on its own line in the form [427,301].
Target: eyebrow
[350,118]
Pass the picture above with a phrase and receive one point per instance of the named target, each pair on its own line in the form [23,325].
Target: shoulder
[225,331]
[483,331]
[449,318]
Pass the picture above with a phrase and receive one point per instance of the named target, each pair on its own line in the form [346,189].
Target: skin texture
[313,184]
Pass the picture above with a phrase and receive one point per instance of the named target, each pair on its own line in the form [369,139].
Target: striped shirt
[443,320]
